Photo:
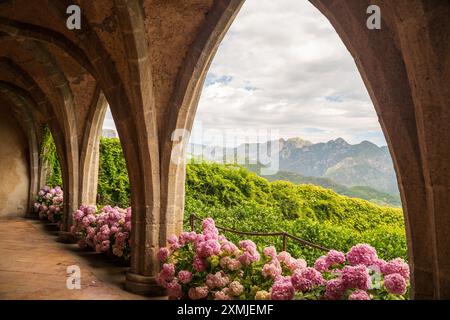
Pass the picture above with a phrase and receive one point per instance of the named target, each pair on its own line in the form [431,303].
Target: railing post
[284,241]
[191,222]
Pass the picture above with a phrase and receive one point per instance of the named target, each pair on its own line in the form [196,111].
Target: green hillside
[362,192]
[240,199]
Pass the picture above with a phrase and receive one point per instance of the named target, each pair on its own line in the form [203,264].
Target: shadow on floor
[108,269]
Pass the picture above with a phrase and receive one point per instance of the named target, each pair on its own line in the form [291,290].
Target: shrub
[106,230]
[209,266]
[49,203]
[113,182]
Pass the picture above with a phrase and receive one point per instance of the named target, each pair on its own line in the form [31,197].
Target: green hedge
[113,183]
[239,199]
[49,155]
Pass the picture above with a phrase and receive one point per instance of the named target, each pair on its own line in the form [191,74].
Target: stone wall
[14,168]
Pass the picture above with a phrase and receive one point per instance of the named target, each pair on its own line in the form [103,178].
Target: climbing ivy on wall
[50,157]
[113,182]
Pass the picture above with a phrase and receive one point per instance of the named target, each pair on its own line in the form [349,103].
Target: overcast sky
[282,67]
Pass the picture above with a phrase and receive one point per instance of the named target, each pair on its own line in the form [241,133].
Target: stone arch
[183,106]
[139,145]
[27,120]
[378,56]
[15,159]
[380,60]
[40,100]
[89,154]
[145,192]
[67,117]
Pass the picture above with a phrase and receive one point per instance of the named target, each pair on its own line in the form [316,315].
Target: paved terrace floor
[33,265]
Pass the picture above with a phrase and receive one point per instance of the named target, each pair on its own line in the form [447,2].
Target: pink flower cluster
[49,203]
[307,279]
[362,254]
[212,265]
[113,231]
[360,277]
[332,259]
[282,289]
[84,225]
[208,266]
[105,231]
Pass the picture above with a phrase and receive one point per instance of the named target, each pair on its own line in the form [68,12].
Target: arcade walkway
[33,266]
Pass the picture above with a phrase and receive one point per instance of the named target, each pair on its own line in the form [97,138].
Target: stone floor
[33,265]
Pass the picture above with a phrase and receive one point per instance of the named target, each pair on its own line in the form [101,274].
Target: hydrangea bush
[208,266]
[49,203]
[105,230]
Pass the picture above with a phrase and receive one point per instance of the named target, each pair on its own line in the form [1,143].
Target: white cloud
[282,66]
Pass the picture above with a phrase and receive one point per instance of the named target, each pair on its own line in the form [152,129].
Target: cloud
[282,66]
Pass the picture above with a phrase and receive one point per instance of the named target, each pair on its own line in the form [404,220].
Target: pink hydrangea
[395,283]
[359,295]
[334,258]
[321,264]
[235,288]
[270,252]
[272,269]
[234,265]
[397,265]
[174,243]
[228,247]
[78,215]
[184,276]
[248,258]
[217,280]
[222,294]
[282,289]
[197,293]
[335,289]
[362,254]
[187,237]
[250,253]
[208,248]
[223,262]
[209,229]
[284,256]
[163,254]
[356,277]
[378,265]
[307,279]
[168,272]
[174,290]
[199,264]
[247,245]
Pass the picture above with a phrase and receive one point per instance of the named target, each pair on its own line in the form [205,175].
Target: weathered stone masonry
[148,59]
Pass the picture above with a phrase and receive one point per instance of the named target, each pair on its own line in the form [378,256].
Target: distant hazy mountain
[109,133]
[364,164]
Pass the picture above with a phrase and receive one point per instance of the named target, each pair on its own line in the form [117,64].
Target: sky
[282,72]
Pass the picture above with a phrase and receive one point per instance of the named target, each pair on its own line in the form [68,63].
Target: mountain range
[335,164]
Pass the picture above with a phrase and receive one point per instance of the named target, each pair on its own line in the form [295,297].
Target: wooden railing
[285,236]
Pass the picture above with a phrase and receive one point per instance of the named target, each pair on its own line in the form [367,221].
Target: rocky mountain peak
[298,142]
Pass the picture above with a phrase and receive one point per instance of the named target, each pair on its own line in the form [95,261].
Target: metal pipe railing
[284,235]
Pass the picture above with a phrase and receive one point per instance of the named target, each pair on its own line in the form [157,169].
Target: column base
[143,285]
